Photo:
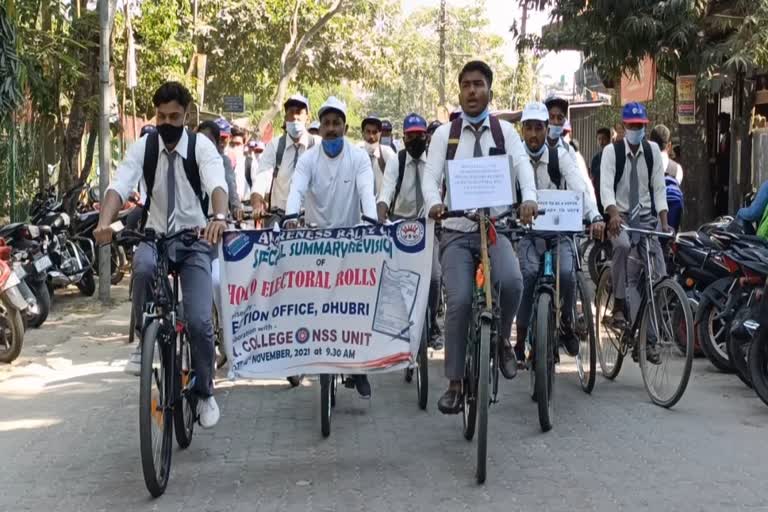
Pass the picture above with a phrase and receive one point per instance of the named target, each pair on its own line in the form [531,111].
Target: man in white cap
[272,179]
[553,169]
[334,182]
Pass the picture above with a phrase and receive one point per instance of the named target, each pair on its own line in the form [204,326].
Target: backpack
[621,160]
[248,164]
[553,169]
[400,174]
[455,134]
[191,170]
[674,201]
[281,143]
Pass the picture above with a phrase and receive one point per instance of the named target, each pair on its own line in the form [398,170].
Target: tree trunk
[277,102]
[697,183]
[83,101]
[90,149]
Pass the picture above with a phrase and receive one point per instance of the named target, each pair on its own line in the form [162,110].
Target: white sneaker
[208,412]
[133,366]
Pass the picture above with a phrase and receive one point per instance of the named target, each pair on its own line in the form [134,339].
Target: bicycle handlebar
[649,232]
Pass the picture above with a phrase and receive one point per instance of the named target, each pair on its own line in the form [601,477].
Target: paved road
[69,441]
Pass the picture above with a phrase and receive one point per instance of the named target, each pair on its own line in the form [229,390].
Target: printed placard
[482,182]
[563,211]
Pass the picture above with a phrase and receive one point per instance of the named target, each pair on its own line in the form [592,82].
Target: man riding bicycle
[475,134]
[185,165]
[633,192]
[553,169]
[333,182]
[401,197]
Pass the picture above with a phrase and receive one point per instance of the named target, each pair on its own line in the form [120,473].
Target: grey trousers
[458,256]
[529,250]
[628,261]
[194,267]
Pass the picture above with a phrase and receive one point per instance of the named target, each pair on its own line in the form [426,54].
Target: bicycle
[480,384]
[661,301]
[167,375]
[544,328]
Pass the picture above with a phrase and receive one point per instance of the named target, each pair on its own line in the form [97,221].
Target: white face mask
[371,148]
[295,129]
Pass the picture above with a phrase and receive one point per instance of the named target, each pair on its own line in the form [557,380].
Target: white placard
[482,182]
[563,211]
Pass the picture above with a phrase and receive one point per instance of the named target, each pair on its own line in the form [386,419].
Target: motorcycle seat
[10,229]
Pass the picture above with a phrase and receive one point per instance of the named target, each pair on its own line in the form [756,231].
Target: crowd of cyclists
[191,181]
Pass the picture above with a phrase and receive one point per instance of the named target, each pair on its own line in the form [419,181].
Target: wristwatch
[220,216]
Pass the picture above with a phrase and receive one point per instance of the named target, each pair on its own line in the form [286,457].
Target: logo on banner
[302,335]
[409,236]
[236,246]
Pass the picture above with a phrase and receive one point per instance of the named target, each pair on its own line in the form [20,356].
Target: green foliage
[10,89]
[410,67]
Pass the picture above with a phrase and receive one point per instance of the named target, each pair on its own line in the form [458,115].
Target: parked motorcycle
[30,263]
[12,306]
[71,254]
[757,328]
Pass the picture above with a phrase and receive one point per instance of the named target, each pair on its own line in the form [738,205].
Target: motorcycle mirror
[94,194]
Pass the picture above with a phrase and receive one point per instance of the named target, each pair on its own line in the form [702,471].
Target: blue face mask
[333,147]
[635,137]
[476,119]
[554,132]
[536,154]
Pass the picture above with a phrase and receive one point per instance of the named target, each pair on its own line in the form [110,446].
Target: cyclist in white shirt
[379,153]
[334,183]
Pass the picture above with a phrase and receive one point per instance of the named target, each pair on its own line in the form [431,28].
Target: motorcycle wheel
[43,297]
[758,364]
[712,330]
[11,331]
[87,284]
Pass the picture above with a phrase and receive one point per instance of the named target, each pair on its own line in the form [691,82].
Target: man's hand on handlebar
[528,211]
[437,211]
[597,229]
[214,230]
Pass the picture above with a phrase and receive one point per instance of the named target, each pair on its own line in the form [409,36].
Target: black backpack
[553,169]
[191,170]
[621,160]
[281,143]
[401,156]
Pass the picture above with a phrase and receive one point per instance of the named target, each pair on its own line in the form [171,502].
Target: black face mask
[416,147]
[170,133]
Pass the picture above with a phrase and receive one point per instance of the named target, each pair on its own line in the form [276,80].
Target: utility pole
[441,30]
[524,22]
[105,260]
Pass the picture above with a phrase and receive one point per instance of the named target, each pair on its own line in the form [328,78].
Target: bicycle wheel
[184,408]
[155,409]
[666,382]
[609,351]
[325,404]
[598,256]
[544,360]
[483,399]
[422,371]
[586,361]
[469,390]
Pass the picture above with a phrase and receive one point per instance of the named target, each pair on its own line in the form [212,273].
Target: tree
[713,39]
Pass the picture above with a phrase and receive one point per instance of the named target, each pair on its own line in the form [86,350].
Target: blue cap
[224,127]
[297,99]
[634,113]
[386,126]
[414,123]
[147,128]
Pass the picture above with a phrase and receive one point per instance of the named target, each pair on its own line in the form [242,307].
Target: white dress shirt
[243,189]
[410,200]
[620,197]
[333,189]
[187,213]
[665,163]
[572,179]
[262,174]
[590,198]
[520,166]
[380,153]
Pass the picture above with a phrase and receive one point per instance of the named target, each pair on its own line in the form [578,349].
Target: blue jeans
[194,267]
[754,212]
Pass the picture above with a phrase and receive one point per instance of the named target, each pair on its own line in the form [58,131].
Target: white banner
[348,300]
